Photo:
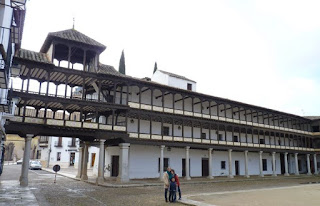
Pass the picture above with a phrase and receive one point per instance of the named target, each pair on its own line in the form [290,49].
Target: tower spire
[155,67]
[122,64]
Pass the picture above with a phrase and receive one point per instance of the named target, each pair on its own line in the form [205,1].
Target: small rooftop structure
[174,80]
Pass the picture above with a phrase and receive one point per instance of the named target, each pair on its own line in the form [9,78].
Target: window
[279,142]
[165,131]
[165,164]
[58,156]
[189,86]
[235,139]
[299,165]
[264,165]
[220,137]
[203,135]
[261,141]
[315,128]
[223,165]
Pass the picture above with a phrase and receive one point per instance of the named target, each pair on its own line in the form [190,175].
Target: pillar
[297,163]
[161,162]
[210,163]
[315,164]
[124,162]
[260,164]
[84,167]
[26,159]
[246,163]
[80,162]
[230,163]
[286,173]
[274,164]
[100,178]
[187,164]
[308,165]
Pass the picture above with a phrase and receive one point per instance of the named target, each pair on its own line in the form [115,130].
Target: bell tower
[73,50]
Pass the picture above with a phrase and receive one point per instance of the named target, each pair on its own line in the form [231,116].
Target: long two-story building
[142,126]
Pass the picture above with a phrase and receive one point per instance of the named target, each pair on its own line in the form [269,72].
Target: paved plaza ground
[68,191]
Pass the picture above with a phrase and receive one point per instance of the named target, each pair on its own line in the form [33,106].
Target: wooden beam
[163,95]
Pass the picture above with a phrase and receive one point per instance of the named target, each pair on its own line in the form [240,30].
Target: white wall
[143,161]
[65,152]
[166,79]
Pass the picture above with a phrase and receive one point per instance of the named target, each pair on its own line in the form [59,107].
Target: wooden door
[93,158]
[183,167]
[236,166]
[205,167]
[72,158]
[114,166]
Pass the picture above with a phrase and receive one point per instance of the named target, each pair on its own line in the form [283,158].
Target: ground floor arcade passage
[131,161]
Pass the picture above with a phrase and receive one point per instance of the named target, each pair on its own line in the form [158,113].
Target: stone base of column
[122,180]
[84,177]
[78,176]
[286,174]
[230,176]
[274,175]
[100,180]
[316,173]
[261,175]
[23,181]
[247,176]
[309,173]
[187,178]
[210,177]
[297,174]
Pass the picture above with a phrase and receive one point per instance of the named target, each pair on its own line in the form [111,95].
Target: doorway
[205,167]
[114,166]
[72,157]
[237,167]
[93,158]
[184,167]
[282,163]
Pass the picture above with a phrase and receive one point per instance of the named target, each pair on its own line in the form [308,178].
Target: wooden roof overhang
[22,129]
[59,74]
[198,121]
[59,103]
[117,141]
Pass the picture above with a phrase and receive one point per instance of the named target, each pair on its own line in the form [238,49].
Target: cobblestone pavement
[72,192]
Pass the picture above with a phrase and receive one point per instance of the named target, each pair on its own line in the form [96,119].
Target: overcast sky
[264,53]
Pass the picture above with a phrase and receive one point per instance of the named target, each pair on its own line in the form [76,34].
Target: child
[172,190]
[176,177]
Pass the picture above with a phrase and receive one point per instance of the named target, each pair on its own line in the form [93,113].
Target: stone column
[286,173]
[100,178]
[187,164]
[26,159]
[297,163]
[84,167]
[230,163]
[80,162]
[246,164]
[161,161]
[210,163]
[308,165]
[124,162]
[315,164]
[260,164]
[274,164]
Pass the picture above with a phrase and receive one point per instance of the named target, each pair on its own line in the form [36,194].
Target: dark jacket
[173,186]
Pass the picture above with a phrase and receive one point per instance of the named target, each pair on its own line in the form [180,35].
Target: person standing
[176,177]
[172,190]
[166,180]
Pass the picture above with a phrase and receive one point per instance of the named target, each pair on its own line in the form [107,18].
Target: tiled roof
[107,69]
[312,117]
[176,76]
[71,35]
[33,56]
